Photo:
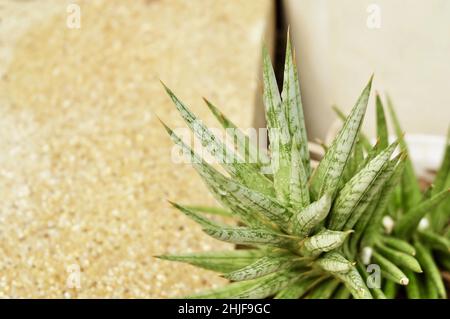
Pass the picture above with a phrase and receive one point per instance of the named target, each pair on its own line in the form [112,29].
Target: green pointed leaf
[354,282]
[237,235]
[329,172]
[224,261]
[410,186]
[399,244]
[251,206]
[360,227]
[389,269]
[409,222]
[255,202]
[362,137]
[262,287]
[261,267]
[412,289]
[298,186]
[434,240]
[298,288]
[444,170]
[282,174]
[382,130]
[324,241]
[383,202]
[250,152]
[390,289]
[354,191]
[354,164]
[242,171]
[366,206]
[279,136]
[293,108]
[376,292]
[210,210]
[324,290]
[334,262]
[304,221]
[442,180]
[399,258]
[375,197]
[430,268]
[342,292]
[248,236]
[429,289]
[215,181]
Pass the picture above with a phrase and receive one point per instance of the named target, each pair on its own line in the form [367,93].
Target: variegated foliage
[414,243]
[406,231]
[303,233]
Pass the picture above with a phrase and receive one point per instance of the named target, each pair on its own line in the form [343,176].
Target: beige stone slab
[85,167]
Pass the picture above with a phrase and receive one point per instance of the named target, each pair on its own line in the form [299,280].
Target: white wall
[409,54]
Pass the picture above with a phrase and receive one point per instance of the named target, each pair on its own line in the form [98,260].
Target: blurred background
[85,166]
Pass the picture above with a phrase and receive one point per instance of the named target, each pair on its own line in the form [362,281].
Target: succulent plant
[410,223]
[422,219]
[305,233]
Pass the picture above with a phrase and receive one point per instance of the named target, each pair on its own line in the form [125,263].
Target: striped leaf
[244,172]
[364,229]
[334,262]
[298,288]
[261,267]
[304,221]
[253,201]
[209,210]
[329,172]
[262,287]
[354,282]
[354,191]
[224,261]
[215,181]
[251,206]
[237,235]
[369,201]
[383,202]
[292,105]
[358,239]
[279,136]
[362,137]
[298,186]
[250,152]
[354,164]
[324,241]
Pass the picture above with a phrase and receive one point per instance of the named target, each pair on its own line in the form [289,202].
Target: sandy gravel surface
[85,167]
